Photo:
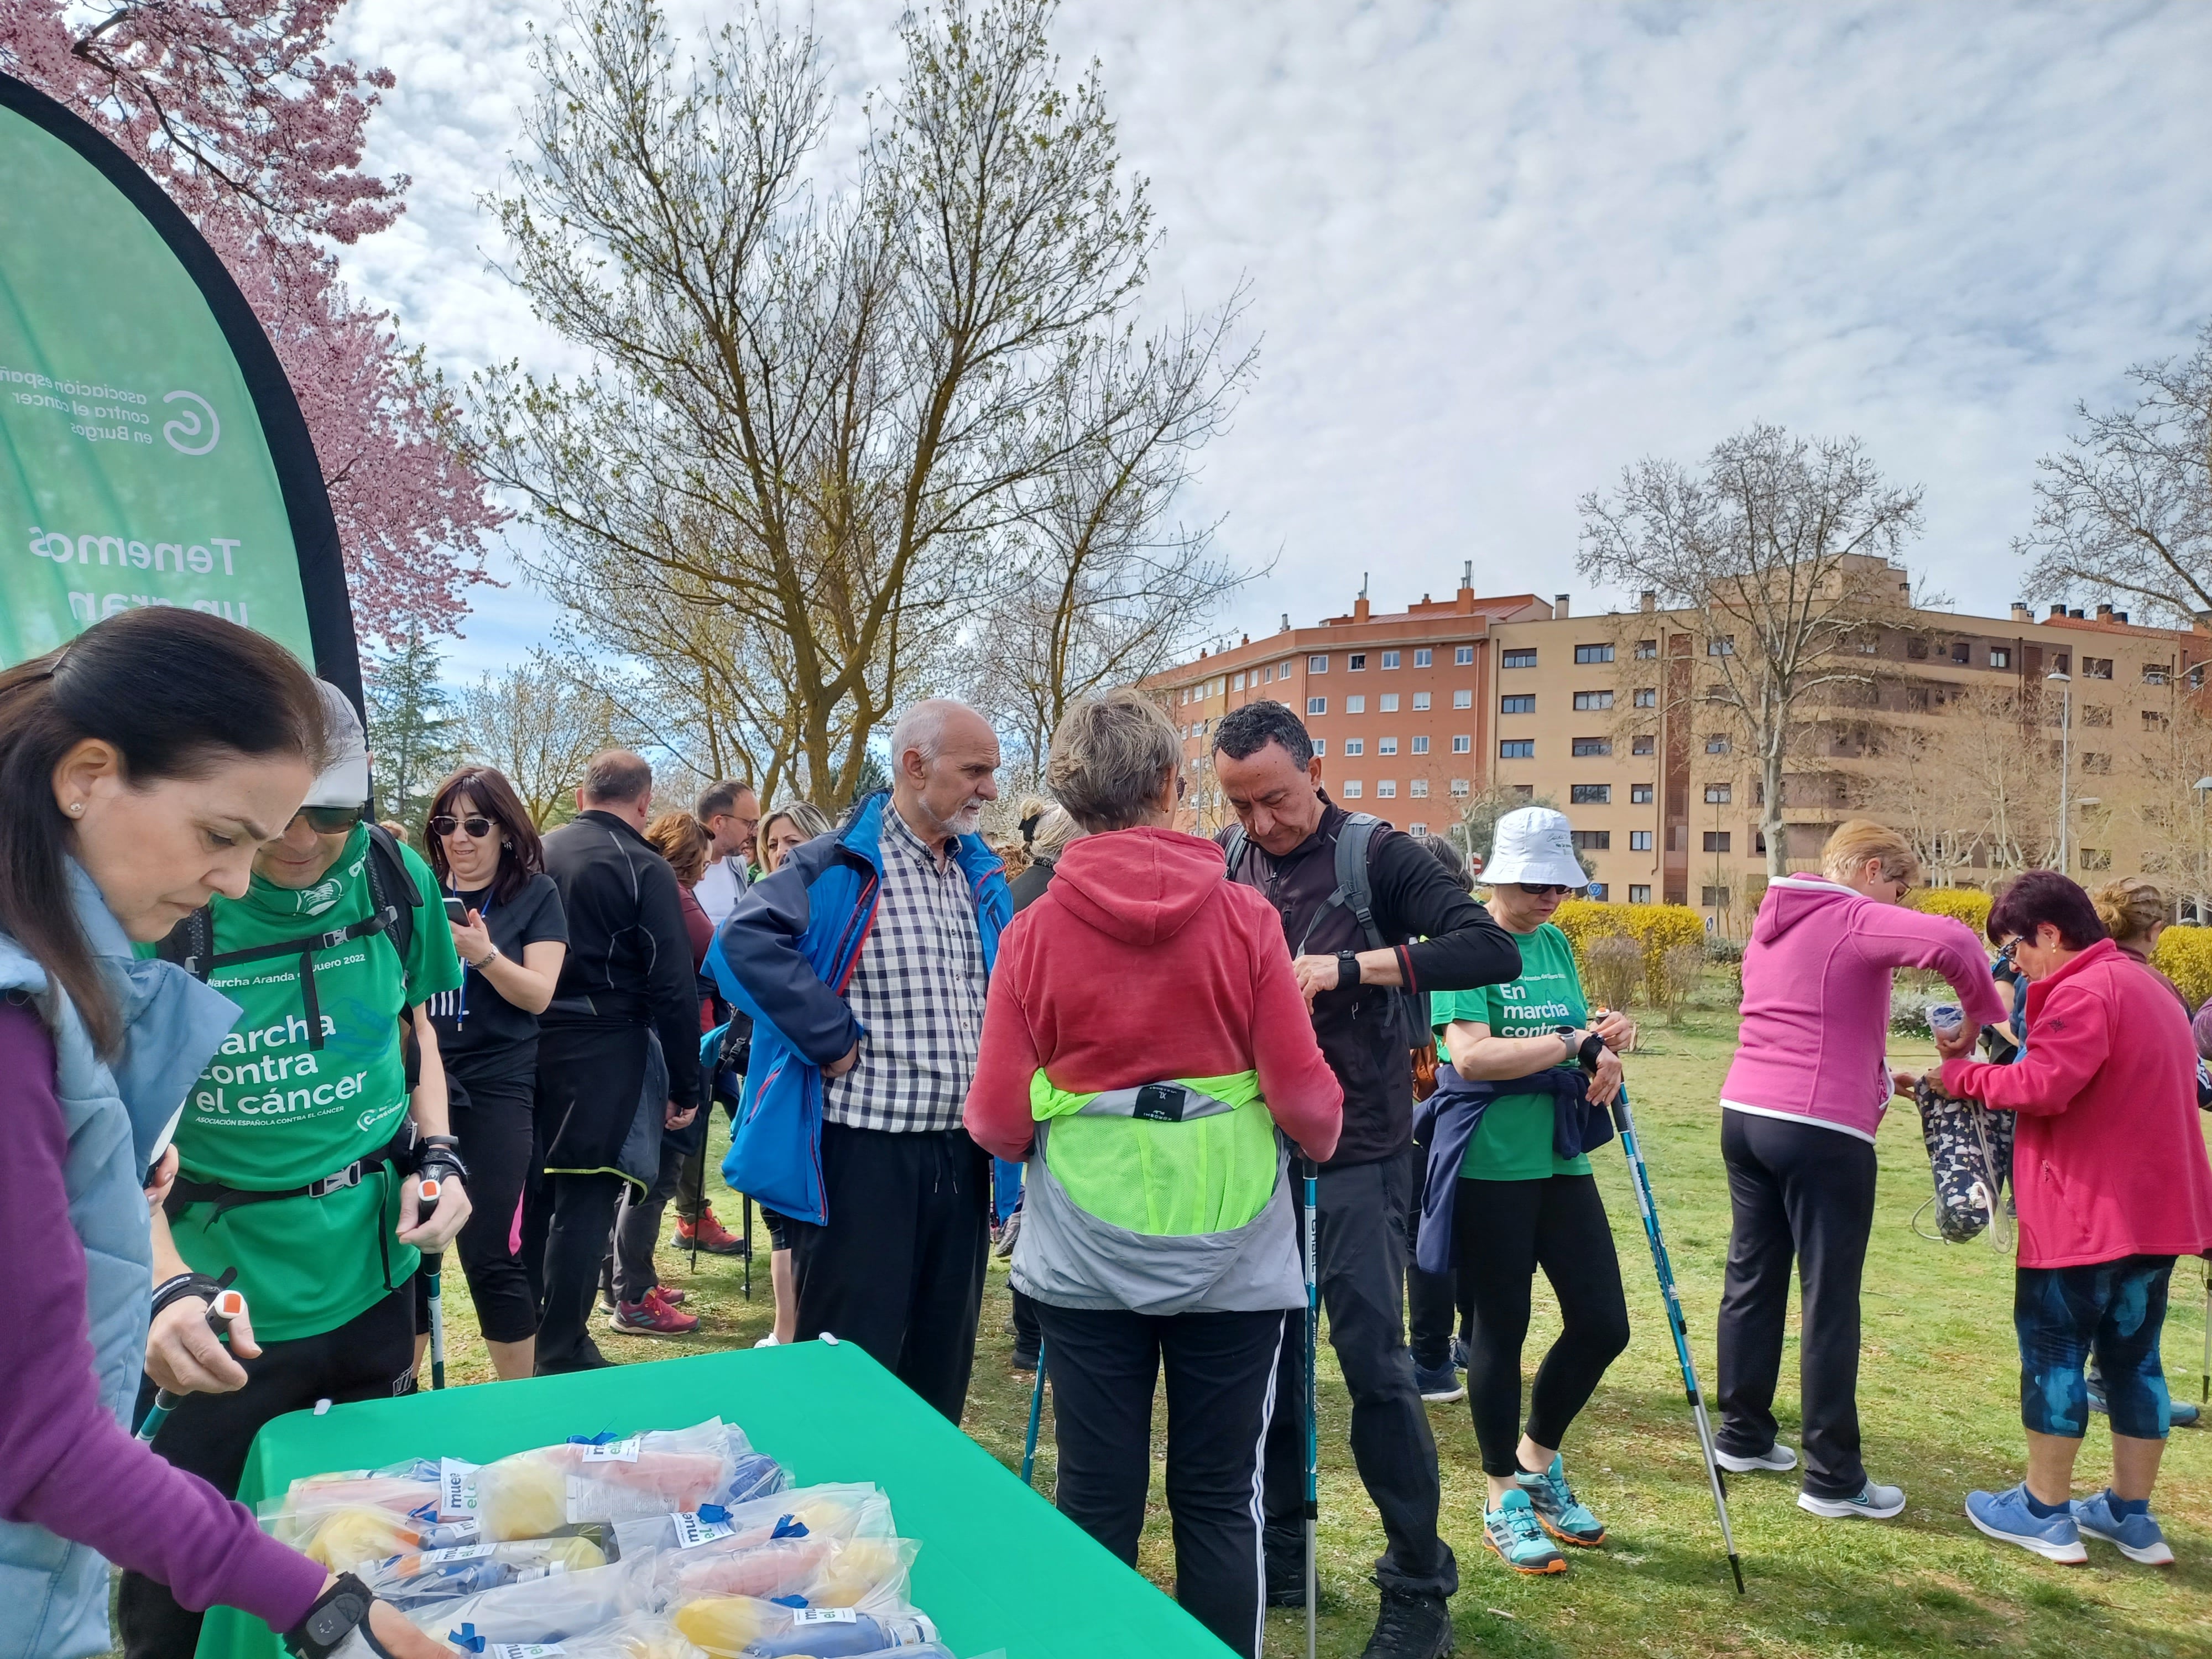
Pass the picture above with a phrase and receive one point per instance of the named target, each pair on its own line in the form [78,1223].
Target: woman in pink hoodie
[2110,1177]
[1800,1105]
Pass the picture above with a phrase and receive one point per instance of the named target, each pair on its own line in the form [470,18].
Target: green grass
[1938,1396]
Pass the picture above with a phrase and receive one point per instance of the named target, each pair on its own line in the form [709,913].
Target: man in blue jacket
[863,961]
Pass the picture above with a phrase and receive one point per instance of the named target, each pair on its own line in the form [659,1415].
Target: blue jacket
[785,956]
[1445,1124]
[54,1593]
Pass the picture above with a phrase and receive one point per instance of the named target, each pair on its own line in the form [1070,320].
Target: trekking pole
[228,1304]
[1313,1412]
[1037,1413]
[699,1208]
[2207,1394]
[433,1261]
[1640,1178]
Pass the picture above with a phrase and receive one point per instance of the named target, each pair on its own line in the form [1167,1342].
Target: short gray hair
[922,728]
[1108,757]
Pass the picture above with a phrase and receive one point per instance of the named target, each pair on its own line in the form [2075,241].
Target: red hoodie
[1143,962]
[2108,1160]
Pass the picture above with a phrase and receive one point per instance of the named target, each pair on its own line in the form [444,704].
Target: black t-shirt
[476,1022]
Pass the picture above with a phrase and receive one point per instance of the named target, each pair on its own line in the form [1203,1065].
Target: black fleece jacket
[1445,942]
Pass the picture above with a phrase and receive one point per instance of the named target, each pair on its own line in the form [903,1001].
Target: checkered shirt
[918,991]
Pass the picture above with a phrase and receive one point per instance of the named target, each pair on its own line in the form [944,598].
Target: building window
[1961,652]
[1639,893]
[2000,656]
[2096,714]
[1462,744]
[1915,649]
[1585,701]
[1354,789]
[1639,746]
[1512,748]
[1717,794]
[1356,663]
[1423,657]
[1421,745]
[1590,794]
[1639,794]
[1717,743]
[2153,720]
[1283,668]
[1390,659]
[1721,645]
[1639,841]
[1463,699]
[1597,891]
[1716,841]
[1586,654]
[2096,668]
[1386,745]
[1586,746]
[1459,786]
[1646,649]
[1517,660]
[1387,790]
[1238,685]
[1418,789]
[1420,701]
[1316,664]
[2096,858]
[1715,898]
[1355,745]
[1464,654]
[1524,792]
[1416,829]
[1646,696]
[1387,702]
[1321,745]
[2096,762]
[1355,705]
[1316,706]
[1592,840]
[2156,673]
[1521,705]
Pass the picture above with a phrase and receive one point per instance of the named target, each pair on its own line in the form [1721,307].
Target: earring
[76,809]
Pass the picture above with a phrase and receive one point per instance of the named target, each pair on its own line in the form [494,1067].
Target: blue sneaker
[1557,1511]
[2137,1536]
[1440,1386]
[1514,1535]
[2005,1516]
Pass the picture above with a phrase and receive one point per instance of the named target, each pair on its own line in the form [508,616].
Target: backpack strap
[1355,891]
[1233,850]
[387,874]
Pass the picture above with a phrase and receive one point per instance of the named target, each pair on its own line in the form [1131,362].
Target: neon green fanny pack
[1194,1156]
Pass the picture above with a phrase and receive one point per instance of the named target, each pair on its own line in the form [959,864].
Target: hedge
[1657,928]
[2184,956]
[1967,904]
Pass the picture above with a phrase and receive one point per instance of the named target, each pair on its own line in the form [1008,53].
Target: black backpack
[191,943]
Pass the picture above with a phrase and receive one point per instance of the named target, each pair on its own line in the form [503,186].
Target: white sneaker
[768,1341]
[1777,1457]
[1873,1502]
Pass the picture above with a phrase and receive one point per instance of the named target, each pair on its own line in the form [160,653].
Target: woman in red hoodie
[1143,1039]
[2110,1175]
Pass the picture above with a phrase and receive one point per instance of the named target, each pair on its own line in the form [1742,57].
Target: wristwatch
[337,1613]
[1347,969]
[1572,1038]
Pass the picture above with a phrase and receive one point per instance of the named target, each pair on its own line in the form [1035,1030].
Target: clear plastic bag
[840,1510]
[731,1625]
[533,1494]
[551,1609]
[346,1520]
[828,1572]
[421,1578]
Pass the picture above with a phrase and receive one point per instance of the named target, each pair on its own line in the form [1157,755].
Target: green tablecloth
[1000,1567]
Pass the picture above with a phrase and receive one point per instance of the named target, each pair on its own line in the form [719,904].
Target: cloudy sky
[1496,252]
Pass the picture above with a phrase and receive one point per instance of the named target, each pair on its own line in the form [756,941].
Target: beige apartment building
[1952,728]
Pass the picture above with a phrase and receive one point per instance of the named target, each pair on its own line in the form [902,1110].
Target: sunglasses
[445,823]
[1544,890]
[2004,957]
[331,820]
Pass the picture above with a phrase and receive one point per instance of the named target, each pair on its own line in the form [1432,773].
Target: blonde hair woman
[2134,913]
[1800,1107]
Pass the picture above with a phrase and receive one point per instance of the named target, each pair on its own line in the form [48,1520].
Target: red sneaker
[652,1317]
[714,1237]
[669,1294]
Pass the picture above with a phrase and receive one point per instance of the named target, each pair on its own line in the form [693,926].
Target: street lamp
[2065,758]
[2203,787]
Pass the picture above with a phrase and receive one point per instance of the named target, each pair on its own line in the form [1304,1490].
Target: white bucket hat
[1535,845]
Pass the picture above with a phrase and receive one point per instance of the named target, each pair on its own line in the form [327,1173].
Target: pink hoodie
[1816,1000]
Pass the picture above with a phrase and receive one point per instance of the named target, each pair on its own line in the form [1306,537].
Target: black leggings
[1507,1230]
[490,1106]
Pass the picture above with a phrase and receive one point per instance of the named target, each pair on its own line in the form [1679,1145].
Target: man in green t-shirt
[309,1098]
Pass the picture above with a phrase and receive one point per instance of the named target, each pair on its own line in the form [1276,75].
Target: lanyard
[454,1004]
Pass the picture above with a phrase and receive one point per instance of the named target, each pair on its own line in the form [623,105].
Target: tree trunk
[1771,826]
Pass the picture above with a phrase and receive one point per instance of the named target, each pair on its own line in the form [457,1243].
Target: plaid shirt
[918,991]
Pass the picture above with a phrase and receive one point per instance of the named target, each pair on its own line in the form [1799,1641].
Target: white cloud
[1496,253]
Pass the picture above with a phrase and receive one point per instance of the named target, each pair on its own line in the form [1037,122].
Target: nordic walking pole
[1313,1410]
[2206,1395]
[1036,1415]
[433,1261]
[1640,1178]
[228,1304]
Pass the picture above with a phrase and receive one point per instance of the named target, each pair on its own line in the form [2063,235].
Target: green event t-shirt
[1515,1140]
[271,1112]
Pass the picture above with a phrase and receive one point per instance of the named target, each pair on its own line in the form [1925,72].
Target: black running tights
[1507,1230]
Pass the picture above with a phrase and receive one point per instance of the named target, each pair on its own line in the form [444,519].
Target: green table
[1000,1567]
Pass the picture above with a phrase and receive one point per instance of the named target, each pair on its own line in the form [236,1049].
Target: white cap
[345,781]
[1535,845]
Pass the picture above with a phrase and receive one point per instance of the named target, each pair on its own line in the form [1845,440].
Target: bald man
[889,1250]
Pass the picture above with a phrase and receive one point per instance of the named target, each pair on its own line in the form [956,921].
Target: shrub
[1613,965]
[1681,967]
[1721,949]
[1655,927]
[2184,956]
[1967,904]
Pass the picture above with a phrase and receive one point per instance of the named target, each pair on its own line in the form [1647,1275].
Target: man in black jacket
[628,975]
[1433,937]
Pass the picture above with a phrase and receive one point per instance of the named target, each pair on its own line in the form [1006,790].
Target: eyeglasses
[1544,890]
[2004,957]
[331,820]
[445,823]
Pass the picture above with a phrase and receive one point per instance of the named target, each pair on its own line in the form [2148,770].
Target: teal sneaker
[1557,1511]
[1517,1538]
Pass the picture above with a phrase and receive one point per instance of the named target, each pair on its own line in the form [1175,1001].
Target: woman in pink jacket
[1802,1100]
[2110,1175]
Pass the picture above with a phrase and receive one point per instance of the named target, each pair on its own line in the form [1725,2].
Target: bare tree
[1783,545]
[539,726]
[830,411]
[2128,508]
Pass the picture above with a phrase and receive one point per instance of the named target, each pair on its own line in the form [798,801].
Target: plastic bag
[828,1572]
[838,1510]
[423,1577]
[344,1521]
[536,1492]
[729,1625]
[550,1609]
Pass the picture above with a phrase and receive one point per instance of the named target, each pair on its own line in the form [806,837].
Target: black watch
[337,1612]
[1347,969]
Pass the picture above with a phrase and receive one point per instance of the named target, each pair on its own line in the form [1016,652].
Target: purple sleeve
[65,1464]
[2201,1029]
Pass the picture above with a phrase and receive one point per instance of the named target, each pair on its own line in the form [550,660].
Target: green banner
[150,452]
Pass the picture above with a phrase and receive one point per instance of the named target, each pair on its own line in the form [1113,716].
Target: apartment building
[1416,711]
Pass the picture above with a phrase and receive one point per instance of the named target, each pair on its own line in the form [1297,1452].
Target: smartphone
[457,913]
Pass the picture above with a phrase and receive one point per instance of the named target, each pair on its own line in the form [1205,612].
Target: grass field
[1938,1394]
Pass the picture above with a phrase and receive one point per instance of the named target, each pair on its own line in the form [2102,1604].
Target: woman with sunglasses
[1520,1204]
[486,854]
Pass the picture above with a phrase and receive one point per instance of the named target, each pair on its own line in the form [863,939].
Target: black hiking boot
[1285,1555]
[1410,1626]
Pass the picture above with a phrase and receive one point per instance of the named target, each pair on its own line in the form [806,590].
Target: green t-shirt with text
[1515,1140]
[272,1110]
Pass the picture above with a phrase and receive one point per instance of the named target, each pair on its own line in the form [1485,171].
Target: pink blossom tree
[233,107]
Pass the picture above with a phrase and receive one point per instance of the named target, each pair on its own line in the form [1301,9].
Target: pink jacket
[2108,1160]
[1816,999]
